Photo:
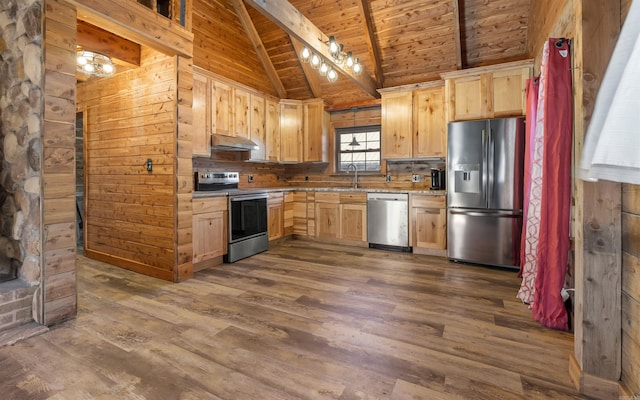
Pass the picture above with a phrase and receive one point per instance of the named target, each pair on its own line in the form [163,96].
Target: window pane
[366,156]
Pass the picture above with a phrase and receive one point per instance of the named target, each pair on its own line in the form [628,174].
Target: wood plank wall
[58,174]
[220,41]
[131,213]
[631,287]
[630,277]
[184,171]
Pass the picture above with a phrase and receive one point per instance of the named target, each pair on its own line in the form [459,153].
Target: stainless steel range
[247,213]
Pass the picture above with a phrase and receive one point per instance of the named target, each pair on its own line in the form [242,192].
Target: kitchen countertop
[309,189]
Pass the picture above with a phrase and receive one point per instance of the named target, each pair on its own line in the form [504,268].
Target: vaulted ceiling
[399,42]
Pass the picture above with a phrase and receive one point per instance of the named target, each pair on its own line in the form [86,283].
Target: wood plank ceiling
[399,42]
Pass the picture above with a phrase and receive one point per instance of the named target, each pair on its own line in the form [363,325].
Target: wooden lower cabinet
[327,220]
[209,228]
[275,215]
[353,222]
[341,216]
[429,224]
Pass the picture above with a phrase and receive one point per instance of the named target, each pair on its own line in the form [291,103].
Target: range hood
[231,143]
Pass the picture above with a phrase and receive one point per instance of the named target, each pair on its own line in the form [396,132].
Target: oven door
[247,216]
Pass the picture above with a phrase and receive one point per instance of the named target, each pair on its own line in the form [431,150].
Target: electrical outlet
[388,178]
[416,178]
[306,178]
[250,178]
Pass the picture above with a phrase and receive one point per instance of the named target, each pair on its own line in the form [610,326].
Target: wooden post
[596,365]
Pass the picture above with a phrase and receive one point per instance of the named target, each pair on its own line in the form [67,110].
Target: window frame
[350,130]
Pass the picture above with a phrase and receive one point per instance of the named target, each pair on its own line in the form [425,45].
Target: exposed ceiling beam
[120,50]
[310,74]
[143,26]
[374,50]
[287,17]
[263,56]
[456,32]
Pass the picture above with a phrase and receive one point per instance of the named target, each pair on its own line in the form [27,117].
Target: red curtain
[555,214]
[545,242]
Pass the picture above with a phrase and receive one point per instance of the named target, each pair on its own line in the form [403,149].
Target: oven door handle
[247,197]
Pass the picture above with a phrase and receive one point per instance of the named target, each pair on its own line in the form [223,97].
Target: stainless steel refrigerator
[485,163]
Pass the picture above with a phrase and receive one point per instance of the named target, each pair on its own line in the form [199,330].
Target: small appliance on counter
[247,213]
[438,179]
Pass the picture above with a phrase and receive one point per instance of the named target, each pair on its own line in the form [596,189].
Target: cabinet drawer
[427,201]
[327,197]
[209,205]
[353,198]
[275,198]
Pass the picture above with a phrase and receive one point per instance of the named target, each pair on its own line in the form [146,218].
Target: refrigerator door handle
[490,167]
[508,214]
[485,165]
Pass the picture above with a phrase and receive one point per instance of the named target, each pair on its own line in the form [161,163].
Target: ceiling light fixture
[315,61]
[338,56]
[92,63]
[324,68]
[305,54]
[332,75]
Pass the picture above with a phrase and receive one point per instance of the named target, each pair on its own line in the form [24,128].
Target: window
[366,155]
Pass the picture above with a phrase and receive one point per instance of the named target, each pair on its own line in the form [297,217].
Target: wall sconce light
[92,63]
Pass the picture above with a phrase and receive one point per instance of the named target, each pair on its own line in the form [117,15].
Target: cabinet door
[508,92]
[291,131]
[429,123]
[209,235]
[397,110]
[314,131]
[221,108]
[258,124]
[201,116]
[240,111]
[354,222]
[468,97]
[272,130]
[430,225]
[327,220]
[275,217]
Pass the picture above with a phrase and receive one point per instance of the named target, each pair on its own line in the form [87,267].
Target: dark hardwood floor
[304,320]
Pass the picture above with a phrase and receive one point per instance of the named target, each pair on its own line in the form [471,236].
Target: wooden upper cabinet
[429,123]
[315,128]
[221,103]
[272,130]
[487,92]
[397,117]
[258,126]
[413,122]
[291,148]
[508,90]
[201,116]
[241,116]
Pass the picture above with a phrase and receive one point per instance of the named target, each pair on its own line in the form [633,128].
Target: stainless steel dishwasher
[388,221]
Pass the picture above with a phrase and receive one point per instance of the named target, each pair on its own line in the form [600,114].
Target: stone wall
[21,153]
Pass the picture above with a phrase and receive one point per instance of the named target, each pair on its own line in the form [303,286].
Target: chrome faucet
[355,175]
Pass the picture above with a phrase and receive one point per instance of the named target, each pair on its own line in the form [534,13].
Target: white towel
[612,145]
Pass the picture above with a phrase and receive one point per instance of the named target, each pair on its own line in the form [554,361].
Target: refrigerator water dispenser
[467,178]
